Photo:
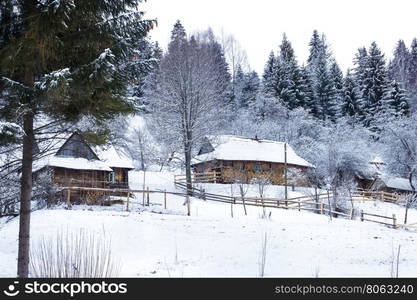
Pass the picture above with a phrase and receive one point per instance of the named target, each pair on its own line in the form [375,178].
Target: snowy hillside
[154,242]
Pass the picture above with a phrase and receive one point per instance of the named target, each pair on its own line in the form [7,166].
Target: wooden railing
[209,177]
[298,203]
[380,219]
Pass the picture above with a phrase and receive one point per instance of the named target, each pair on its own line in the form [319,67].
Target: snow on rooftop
[114,158]
[70,163]
[108,155]
[229,147]
[398,183]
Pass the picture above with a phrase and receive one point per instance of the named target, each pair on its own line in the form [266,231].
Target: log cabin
[76,164]
[392,184]
[227,159]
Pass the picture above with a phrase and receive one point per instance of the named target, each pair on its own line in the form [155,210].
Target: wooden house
[76,164]
[392,184]
[227,159]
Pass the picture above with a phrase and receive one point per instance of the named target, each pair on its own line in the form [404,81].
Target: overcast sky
[258,25]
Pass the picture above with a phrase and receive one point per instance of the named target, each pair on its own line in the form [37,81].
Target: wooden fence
[312,203]
[380,219]
[316,202]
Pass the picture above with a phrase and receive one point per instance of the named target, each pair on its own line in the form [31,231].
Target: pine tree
[289,78]
[412,73]
[359,72]
[374,82]
[396,100]
[215,50]
[351,102]
[324,93]
[316,48]
[305,91]
[269,80]
[62,61]
[398,66]
[239,84]
[247,86]
[318,64]
[142,64]
[336,76]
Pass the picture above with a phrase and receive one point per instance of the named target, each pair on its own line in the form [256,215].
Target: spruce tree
[269,80]
[289,78]
[412,73]
[62,61]
[323,89]
[247,86]
[360,62]
[325,106]
[351,102]
[398,66]
[305,91]
[374,82]
[316,48]
[396,100]
[336,76]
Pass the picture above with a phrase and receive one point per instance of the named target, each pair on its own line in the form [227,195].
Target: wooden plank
[388,224]
[379,216]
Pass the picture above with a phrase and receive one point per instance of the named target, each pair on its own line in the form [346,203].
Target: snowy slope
[154,242]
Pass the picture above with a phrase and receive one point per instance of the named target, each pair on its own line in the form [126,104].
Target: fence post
[127,203]
[299,205]
[147,196]
[351,213]
[361,215]
[165,199]
[143,197]
[322,208]
[69,199]
[203,191]
[394,221]
[286,204]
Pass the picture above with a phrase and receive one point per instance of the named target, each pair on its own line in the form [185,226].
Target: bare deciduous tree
[188,95]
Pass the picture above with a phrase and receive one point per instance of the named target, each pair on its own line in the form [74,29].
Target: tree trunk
[407,204]
[188,149]
[25,198]
[188,171]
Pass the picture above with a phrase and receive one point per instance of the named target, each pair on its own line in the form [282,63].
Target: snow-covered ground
[154,242]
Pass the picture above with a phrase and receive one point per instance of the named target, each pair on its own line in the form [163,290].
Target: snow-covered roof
[70,163]
[229,147]
[108,156]
[397,183]
[114,158]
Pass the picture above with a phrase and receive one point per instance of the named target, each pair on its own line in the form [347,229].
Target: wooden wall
[230,170]
[83,178]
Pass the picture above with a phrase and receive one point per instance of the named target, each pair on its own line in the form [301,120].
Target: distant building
[392,184]
[232,158]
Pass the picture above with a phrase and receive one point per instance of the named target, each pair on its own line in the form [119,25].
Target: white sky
[258,25]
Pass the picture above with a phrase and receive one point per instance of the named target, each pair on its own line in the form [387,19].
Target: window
[110,177]
[257,167]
